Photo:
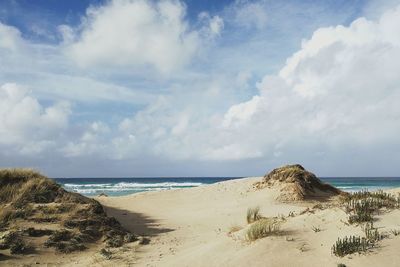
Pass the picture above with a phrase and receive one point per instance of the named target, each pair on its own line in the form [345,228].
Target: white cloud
[10,37]
[136,33]
[26,125]
[250,14]
[340,89]
[213,26]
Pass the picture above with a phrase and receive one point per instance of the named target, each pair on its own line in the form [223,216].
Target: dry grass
[299,184]
[22,186]
[29,199]
[262,228]
[253,214]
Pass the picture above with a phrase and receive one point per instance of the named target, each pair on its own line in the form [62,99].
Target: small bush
[360,210]
[253,214]
[353,244]
[60,235]
[38,232]
[18,246]
[15,243]
[371,233]
[115,242]
[107,254]
[65,241]
[363,204]
[350,245]
[262,228]
[128,238]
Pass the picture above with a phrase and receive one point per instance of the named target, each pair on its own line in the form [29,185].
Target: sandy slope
[189,227]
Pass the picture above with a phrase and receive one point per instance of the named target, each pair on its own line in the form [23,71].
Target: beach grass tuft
[253,214]
[262,228]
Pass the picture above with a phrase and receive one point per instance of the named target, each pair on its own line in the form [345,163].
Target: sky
[112,88]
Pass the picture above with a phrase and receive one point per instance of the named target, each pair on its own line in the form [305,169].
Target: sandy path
[189,227]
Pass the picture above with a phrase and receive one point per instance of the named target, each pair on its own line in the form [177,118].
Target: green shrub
[353,244]
[371,233]
[350,245]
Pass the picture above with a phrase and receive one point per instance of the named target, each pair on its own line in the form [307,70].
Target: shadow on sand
[137,223]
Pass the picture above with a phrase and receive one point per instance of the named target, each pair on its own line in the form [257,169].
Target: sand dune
[190,227]
[206,226]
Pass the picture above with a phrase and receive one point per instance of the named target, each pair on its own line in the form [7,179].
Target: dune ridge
[296,183]
[37,216]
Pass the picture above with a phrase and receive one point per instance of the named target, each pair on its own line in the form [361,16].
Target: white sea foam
[125,187]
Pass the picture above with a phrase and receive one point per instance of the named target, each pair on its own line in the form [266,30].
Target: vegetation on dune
[28,198]
[253,214]
[316,229]
[262,228]
[299,184]
[361,206]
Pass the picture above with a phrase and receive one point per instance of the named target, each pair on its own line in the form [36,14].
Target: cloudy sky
[200,88]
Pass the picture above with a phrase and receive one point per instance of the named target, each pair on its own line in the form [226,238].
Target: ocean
[126,186]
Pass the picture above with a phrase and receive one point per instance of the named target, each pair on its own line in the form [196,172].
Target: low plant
[360,210]
[253,214]
[18,246]
[115,241]
[371,233]
[262,228]
[38,232]
[353,244]
[107,254]
[363,204]
[15,243]
[316,229]
[350,245]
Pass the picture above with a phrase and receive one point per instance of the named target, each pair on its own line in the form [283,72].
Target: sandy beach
[191,227]
[206,226]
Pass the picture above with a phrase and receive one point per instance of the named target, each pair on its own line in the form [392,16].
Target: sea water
[126,186]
